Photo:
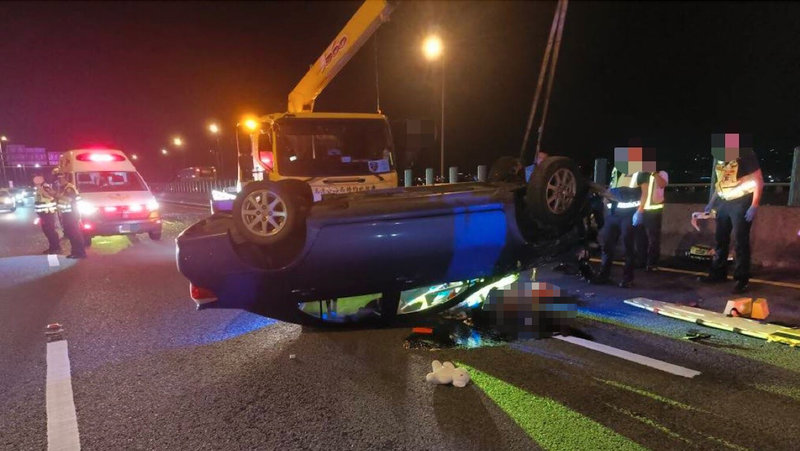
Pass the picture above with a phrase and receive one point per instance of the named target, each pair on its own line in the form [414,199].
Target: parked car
[197,173]
[8,201]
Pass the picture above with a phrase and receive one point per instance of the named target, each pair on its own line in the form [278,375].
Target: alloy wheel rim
[560,192]
[264,213]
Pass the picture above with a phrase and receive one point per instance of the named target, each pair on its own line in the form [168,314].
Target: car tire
[507,169]
[553,196]
[155,236]
[266,212]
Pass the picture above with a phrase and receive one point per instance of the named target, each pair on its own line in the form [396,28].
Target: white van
[115,200]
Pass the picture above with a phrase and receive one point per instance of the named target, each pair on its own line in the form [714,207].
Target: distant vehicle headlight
[86,208]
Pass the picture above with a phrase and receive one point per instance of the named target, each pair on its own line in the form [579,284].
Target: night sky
[132,75]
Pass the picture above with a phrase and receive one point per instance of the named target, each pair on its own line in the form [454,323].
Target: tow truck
[321,233]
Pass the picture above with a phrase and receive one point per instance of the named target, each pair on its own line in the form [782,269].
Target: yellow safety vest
[43,202]
[728,185]
[648,202]
[622,180]
[65,202]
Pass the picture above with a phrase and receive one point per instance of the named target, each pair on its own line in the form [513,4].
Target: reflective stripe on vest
[64,202]
[728,185]
[625,205]
[648,202]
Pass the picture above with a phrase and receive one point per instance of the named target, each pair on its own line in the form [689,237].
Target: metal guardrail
[194,187]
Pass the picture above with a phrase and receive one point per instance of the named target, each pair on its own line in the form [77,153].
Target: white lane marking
[52,259]
[62,421]
[636,358]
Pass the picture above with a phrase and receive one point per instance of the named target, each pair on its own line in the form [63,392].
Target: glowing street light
[177,141]
[164,152]
[251,124]
[3,138]
[134,157]
[213,128]
[433,49]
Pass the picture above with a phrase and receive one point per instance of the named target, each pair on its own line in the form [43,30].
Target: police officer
[737,194]
[623,213]
[648,236]
[44,205]
[67,203]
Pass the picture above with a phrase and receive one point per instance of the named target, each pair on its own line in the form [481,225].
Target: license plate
[125,228]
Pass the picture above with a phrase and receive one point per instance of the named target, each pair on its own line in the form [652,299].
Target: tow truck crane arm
[352,37]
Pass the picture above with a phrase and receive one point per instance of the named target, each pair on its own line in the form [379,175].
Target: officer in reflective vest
[621,214]
[67,203]
[648,236]
[44,205]
[737,194]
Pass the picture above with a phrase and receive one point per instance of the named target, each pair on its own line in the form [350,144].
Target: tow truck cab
[333,153]
[115,200]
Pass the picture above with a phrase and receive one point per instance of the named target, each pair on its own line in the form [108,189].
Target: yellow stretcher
[744,326]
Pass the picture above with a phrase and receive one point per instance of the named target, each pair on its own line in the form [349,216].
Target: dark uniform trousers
[48,223]
[648,238]
[730,216]
[70,223]
[618,223]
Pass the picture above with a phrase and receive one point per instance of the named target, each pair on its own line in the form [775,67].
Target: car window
[109,181]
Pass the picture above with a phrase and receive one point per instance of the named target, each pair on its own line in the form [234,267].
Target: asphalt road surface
[148,371]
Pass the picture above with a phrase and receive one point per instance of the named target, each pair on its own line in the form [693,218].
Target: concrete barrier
[774,238]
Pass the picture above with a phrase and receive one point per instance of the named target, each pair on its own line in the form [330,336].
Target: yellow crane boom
[352,37]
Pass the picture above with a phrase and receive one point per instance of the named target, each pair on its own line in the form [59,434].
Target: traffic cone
[760,309]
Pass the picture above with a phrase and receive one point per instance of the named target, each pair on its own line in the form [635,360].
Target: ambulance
[114,199]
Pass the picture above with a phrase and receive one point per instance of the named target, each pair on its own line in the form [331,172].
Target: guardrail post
[408,178]
[483,172]
[453,174]
[429,176]
[601,171]
[794,186]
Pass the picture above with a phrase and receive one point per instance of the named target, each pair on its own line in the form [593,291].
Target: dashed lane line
[631,357]
[52,260]
[62,420]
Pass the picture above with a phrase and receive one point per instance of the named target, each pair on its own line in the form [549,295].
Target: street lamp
[134,157]
[177,141]
[214,129]
[164,152]
[3,140]
[433,49]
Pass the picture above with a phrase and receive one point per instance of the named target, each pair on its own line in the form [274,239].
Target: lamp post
[3,140]
[433,49]
[213,128]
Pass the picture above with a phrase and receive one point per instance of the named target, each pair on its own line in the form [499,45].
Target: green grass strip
[791,392]
[652,395]
[651,423]
[550,424]
[774,354]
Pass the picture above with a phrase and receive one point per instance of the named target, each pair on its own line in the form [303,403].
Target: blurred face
[38,180]
[635,159]
[730,146]
[541,156]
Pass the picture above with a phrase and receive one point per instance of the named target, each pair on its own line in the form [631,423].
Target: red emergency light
[98,157]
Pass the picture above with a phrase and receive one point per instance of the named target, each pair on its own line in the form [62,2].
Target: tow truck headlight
[86,208]
[222,195]
[152,205]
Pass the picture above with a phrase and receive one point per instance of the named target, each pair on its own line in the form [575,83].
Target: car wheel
[155,236]
[266,212]
[507,169]
[554,190]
